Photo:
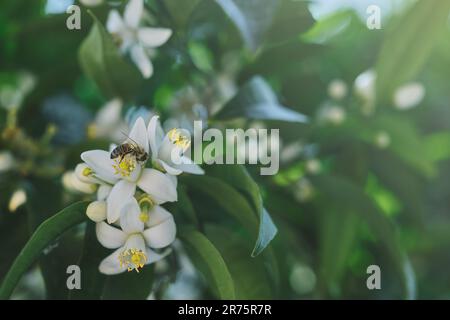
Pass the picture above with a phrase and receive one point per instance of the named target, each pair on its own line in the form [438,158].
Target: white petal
[109,115]
[142,61]
[163,230]
[135,241]
[129,218]
[109,236]
[187,165]
[114,24]
[133,12]
[158,186]
[173,178]
[155,135]
[153,37]
[153,257]
[102,165]
[103,192]
[96,211]
[169,169]
[120,194]
[138,134]
[111,264]
[79,172]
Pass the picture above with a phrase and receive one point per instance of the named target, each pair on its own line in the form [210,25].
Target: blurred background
[365,181]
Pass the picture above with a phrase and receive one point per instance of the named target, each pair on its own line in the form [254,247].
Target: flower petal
[158,186]
[120,194]
[111,264]
[153,37]
[142,61]
[109,236]
[155,135]
[153,257]
[102,165]
[133,12]
[129,217]
[169,169]
[96,211]
[162,231]
[187,165]
[138,134]
[135,241]
[103,192]
[114,24]
[109,115]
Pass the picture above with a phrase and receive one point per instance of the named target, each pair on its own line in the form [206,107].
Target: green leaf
[209,261]
[101,61]
[251,279]
[129,285]
[48,231]
[256,100]
[408,45]
[251,17]
[239,178]
[92,281]
[345,195]
[327,27]
[180,11]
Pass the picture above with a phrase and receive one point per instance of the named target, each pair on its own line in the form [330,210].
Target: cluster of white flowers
[133,180]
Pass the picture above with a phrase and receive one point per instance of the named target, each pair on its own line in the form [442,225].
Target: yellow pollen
[87,172]
[124,167]
[143,217]
[133,259]
[179,139]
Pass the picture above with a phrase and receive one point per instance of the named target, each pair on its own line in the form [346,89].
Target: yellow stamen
[126,166]
[87,172]
[179,139]
[133,259]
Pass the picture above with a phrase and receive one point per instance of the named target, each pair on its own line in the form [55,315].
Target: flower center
[125,166]
[133,259]
[179,139]
[145,203]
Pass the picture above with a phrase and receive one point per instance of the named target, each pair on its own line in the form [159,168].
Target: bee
[131,148]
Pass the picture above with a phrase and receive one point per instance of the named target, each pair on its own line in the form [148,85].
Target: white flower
[96,211]
[409,95]
[168,150]
[364,88]
[141,232]
[108,122]
[134,39]
[126,173]
[382,139]
[337,89]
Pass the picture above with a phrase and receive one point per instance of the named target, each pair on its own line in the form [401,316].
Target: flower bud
[96,211]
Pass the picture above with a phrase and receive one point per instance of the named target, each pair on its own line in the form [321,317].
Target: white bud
[365,85]
[6,161]
[72,183]
[313,166]
[337,89]
[18,198]
[96,211]
[382,140]
[409,95]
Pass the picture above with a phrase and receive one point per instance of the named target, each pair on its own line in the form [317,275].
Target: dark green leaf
[101,61]
[408,45]
[256,100]
[129,285]
[251,17]
[47,232]
[209,261]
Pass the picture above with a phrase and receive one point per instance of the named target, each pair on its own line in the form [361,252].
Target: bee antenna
[126,135]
